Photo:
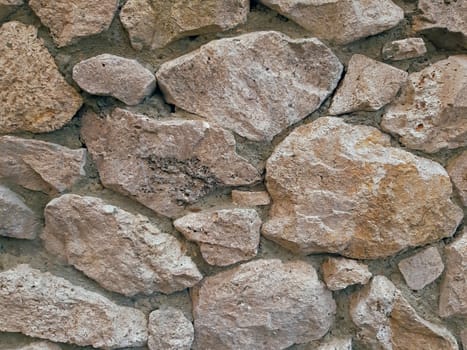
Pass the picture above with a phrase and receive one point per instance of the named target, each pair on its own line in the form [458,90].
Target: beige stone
[250,198]
[339,273]
[35,96]
[335,344]
[9,6]
[341,188]
[256,84]
[42,345]
[457,169]
[404,49]
[169,329]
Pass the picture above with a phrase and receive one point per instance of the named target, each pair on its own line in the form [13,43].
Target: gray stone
[250,198]
[42,345]
[339,273]
[464,338]
[457,169]
[169,329]
[336,344]
[404,49]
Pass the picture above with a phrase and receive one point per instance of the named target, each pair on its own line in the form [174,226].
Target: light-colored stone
[336,344]
[153,24]
[342,188]
[404,49]
[9,6]
[250,198]
[464,338]
[256,84]
[44,306]
[166,165]
[42,345]
[367,86]
[124,253]
[339,273]
[35,96]
[169,329]
[263,304]
[429,114]
[225,236]
[457,169]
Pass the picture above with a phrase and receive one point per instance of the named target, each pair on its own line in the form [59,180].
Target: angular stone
[256,84]
[35,96]
[8,6]
[342,188]
[169,329]
[457,169]
[44,306]
[39,165]
[166,164]
[123,252]
[339,273]
[367,86]
[225,236]
[248,198]
[404,49]
[340,21]
[153,24]
[430,113]
[262,304]
[336,344]
[42,345]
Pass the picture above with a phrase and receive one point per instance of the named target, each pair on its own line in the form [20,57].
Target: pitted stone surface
[250,198]
[457,169]
[169,329]
[422,268]
[404,49]
[339,273]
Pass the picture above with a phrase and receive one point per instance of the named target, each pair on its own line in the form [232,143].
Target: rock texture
[44,306]
[255,84]
[169,329]
[336,344]
[429,115]
[342,188]
[457,169]
[404,49]
[43,345]
[8,6]
[225,236]
[263,304]
[36,99]
[339,273]
[464,338]
[167,164]
[247,198]
[422,268]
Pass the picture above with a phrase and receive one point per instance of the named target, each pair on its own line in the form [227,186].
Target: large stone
[42,345]
[457,169]
[256,84]
[166,165]
[34,95]
[124,253]
[169,329]
[225,236]
[263,304]
[8,6]
[430,113]
[404,49]
[153,24]
[45,306]
[342,188]
[250,198]
[339,273]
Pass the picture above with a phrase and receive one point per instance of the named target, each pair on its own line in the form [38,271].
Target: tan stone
[339,273]
[250,199]
[256,84]
[342,188]
[404,49]
[35,96]
[169,329]
[42,345]
[457,169]
[9,6]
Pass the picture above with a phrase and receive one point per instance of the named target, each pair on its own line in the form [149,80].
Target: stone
[340,21]
[68,23]
[42,305]
[404,49]
[164,164]
[7,7]
[250,198]
[429,115]
[387,321]
[421,269]
[336,344]
[39,165]
[256,84]
[464,338]
[341,188]
[42,345]
[339,273]
[36,99]
[261,305]
[368,86]
[225,236]
[124,253]
[169,329]
[109,75]
[457,169]
[153,24]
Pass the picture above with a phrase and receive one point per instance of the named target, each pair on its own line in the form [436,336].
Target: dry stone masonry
[169,329]
[339,273]
[404,49]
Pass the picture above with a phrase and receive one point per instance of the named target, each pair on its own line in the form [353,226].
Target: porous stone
[367,86]
[8,6]
[124,253]
[153,24]
[263,304]
[341,188]
[42,345]
[169,329]
[336,344]
[253,198]
[256,84]
[225,236]
[404,49]
[429,114]
[44,306]
[35,96]
[457,169]
[339,273]
[165,165]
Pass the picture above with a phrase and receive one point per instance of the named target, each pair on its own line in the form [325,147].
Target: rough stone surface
[36,99]
[155,23]
[225,236]
[263,304]
[336,344]
[367,86]
[457,169]
[464,338]
[404,49]
[255,84]
[123,252]
[45,306]
[342,188]
[247,198]
[169,329]
[339,273]
[42,345]
[430,113]
[167,164]
[8,6]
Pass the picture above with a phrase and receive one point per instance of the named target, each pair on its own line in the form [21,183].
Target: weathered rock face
[404,49]
[457,169]
[263,304]
[169,329]
[44,306]
[153,24]
[225,236]
[339,273]
[255,84]
[43,345]
[36,99]
[165,165]
[8,6]
[248,198]
[430,114]
[336,344]
[367,86]
[342,188]
[123,252]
